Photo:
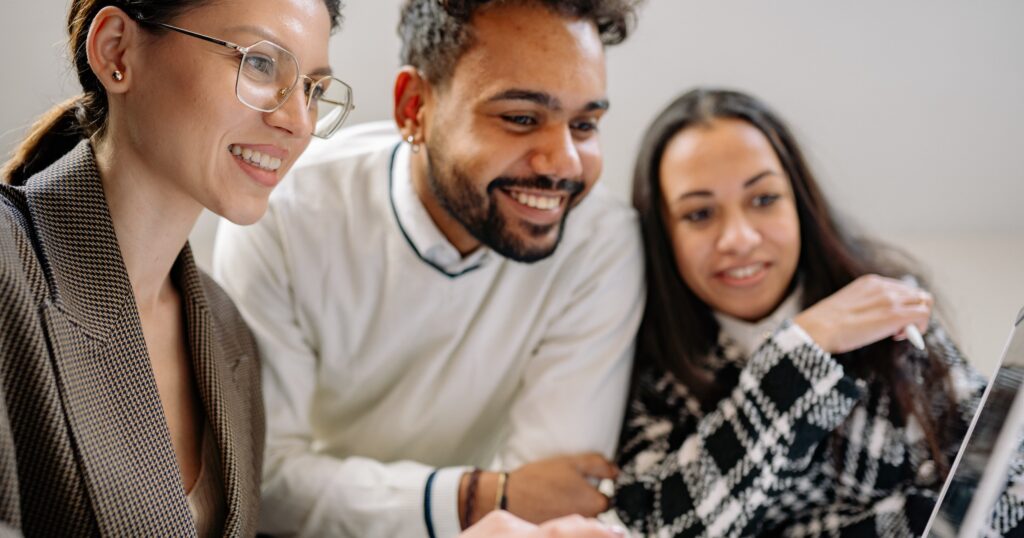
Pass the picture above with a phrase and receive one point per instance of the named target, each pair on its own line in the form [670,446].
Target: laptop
[980,471]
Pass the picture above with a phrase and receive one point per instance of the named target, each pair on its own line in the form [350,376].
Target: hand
[866,311]
[556,487]
[501,524]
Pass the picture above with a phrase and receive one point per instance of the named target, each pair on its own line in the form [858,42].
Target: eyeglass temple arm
[339,103]
[197,35]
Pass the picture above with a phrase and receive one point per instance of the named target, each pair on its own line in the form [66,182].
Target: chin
[244,214]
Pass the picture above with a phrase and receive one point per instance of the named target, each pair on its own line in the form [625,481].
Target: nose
[739,237]
[293,115]
[557,155]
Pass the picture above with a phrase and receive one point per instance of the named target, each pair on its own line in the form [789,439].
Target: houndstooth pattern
[762,461]
[84,447]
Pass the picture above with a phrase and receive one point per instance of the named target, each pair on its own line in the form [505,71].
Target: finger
[919,315]
[498,523]
[595,465]
[577,527]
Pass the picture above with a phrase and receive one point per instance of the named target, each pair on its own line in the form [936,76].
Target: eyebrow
[545,100]
[746,185]
[269,36]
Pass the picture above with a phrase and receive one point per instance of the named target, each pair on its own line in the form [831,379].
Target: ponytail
[55,133]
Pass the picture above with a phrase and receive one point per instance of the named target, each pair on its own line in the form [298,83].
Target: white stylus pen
[914,336]
[910,330]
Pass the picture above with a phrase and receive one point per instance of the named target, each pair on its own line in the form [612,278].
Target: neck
[152,219]
[453,230]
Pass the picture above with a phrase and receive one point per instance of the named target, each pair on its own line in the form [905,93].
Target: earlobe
[107,45]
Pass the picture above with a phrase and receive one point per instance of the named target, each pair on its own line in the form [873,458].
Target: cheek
[784,233]
[591,160]
[692,252]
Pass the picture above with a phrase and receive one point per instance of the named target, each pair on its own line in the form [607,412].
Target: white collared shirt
[385,358]
[425,237]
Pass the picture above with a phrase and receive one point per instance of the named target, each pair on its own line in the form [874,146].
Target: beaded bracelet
[474,481]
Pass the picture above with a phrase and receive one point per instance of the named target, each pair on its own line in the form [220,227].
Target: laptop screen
[980,472]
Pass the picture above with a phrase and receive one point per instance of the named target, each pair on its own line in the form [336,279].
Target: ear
[111,36]
[411,92]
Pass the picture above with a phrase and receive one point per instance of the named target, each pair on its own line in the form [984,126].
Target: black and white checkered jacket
[764,461]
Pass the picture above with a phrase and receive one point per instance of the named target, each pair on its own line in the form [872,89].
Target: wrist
[483,494]
[817,332]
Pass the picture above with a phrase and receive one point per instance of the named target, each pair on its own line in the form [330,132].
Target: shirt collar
[748,336]
[424,235]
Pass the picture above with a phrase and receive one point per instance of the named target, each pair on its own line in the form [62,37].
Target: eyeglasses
[267,75]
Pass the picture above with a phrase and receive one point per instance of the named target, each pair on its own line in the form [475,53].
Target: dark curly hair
[435,33]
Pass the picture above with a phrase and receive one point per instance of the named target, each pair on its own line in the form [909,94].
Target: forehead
[301,26]
[722,150]
[530,47]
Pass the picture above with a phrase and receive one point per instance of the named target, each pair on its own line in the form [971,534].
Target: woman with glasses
[782,385]
[130,386]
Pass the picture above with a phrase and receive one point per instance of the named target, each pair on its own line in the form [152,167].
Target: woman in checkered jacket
[777,390]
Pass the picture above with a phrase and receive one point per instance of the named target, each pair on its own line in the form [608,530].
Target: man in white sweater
[449,291]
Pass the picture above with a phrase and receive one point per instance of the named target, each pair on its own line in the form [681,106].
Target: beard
[479,214]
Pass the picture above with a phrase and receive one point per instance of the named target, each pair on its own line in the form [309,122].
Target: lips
[546,201]
[255,157]
[536,206]
[262,163]
[743,275]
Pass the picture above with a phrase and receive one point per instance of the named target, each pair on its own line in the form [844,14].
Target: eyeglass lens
[267,75]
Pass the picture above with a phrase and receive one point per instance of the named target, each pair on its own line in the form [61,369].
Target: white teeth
[255,158]
[546,203]
[745,272]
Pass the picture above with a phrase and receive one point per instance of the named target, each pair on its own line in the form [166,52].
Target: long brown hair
[678,329]
[61,128]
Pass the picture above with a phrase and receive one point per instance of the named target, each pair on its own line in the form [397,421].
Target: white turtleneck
[749,336]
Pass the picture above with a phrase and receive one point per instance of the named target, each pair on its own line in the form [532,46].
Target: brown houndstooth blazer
[84,447]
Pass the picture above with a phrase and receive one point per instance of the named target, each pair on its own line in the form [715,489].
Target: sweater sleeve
[717,475]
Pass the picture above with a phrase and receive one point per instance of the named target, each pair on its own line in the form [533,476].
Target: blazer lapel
[100,358]
[215,375]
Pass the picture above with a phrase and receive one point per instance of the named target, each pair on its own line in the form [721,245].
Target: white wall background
[912,114]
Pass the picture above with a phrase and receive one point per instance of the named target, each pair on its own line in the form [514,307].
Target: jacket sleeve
[718,475]
[895,475]
[14,297]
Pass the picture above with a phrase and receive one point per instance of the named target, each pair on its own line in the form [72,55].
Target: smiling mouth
[747,271]
[255,158]
[536,200]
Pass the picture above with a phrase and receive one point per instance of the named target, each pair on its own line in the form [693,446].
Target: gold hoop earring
[118,75]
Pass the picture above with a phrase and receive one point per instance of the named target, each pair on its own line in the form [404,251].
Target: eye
[313,91]
[259,65]
[765,200]
[698,216]
[519,120]
[587,126]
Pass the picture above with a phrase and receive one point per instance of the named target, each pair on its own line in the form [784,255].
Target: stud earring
[411,139]
[118,75]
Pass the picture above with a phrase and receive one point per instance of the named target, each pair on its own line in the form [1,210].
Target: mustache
[571,187]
